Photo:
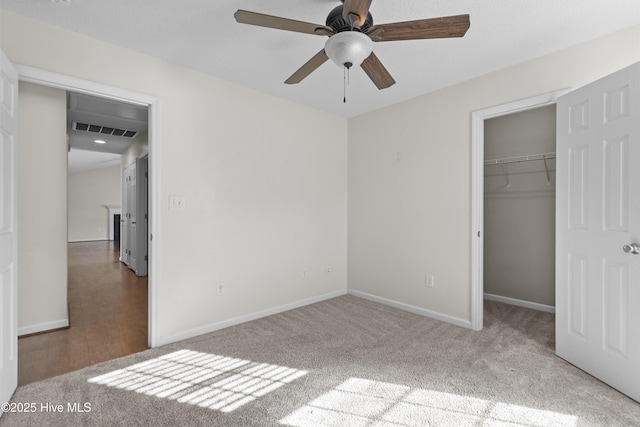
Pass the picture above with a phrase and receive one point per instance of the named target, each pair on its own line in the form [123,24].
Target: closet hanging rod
[531,157]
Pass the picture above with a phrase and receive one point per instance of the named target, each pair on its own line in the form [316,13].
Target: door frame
[477,191]
[59,81]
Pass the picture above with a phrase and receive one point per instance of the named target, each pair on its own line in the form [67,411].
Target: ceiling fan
[351,33]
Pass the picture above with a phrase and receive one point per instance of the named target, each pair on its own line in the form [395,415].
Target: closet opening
[519,208]
[507,180]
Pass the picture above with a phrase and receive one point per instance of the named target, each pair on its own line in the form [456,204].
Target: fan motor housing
[336,21]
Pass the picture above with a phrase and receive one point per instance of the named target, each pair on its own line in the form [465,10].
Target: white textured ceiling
[203,35]
[104,117]
[83,160]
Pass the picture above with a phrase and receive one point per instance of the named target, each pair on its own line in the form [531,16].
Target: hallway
[108,316]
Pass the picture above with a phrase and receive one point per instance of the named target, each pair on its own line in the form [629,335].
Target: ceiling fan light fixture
[348,47]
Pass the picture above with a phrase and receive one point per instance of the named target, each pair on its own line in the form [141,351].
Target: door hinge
[145,216]
[145,258]
[478,234]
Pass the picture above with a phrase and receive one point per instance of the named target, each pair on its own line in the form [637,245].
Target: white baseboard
[521,303]
[412,309]
[43,327]
[246,318]
[87,240]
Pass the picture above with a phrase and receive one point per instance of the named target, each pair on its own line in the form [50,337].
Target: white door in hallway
[132,240]
[142,214]
[597,228]
[124,223]
[8,229]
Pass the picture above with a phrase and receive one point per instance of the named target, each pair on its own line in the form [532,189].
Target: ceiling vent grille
[104,130]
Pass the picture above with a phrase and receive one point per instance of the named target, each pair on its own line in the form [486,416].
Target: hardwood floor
[108,316]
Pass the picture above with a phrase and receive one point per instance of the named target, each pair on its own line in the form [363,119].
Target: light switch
[176,202]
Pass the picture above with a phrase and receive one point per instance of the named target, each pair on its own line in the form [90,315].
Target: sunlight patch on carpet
[361,402]
[206,380]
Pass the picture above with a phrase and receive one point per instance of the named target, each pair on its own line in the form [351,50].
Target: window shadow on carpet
[207,380]
[361,402]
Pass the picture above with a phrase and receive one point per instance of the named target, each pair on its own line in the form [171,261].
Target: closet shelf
[529,158]
[503,162]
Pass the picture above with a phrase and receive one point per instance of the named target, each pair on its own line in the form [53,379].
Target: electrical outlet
[220,288]
[176,202]
[429,281]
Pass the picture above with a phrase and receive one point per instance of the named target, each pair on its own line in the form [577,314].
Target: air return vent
[105,130]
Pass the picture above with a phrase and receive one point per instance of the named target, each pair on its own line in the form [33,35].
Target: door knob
[633,248]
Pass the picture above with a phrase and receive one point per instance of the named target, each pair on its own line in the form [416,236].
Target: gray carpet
[341,362]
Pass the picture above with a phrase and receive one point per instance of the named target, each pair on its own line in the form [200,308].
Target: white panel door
[142,213]
[124,223]
[132,240]
[597,225]
[8,229]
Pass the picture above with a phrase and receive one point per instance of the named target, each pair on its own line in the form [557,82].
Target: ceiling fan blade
[311,65]
[434,28]
[376,72]
[356,11]
[269,21]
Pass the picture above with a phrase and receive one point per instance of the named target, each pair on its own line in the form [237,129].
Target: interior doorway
[107,301]
[478,119]
[519,208]
[54,80]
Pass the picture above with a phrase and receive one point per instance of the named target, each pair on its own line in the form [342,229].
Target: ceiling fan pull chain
[344,84]
[345,78]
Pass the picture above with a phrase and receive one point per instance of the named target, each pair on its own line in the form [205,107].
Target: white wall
[410,181]
[519,219]
[42,209]
[265,187]
[88,195]
[139,148]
